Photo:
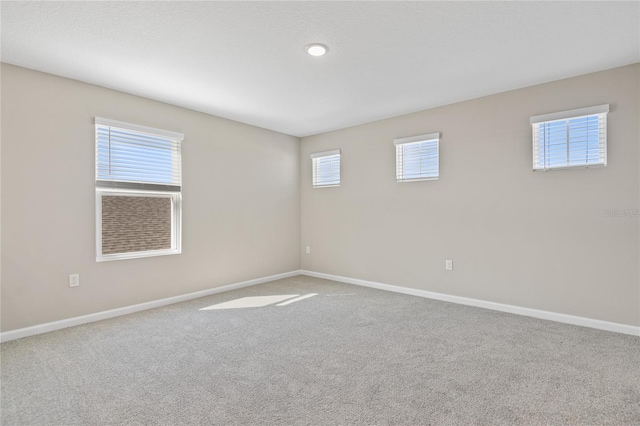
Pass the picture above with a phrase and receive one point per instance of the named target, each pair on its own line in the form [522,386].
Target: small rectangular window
[417,158]
[576,138]
[138,191]
[326,169]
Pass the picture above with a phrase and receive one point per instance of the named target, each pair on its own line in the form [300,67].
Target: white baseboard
[518,310]
[70,322]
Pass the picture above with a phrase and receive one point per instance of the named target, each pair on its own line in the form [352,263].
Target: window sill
[136,255]
[416,180]
[325,186]
[577,166]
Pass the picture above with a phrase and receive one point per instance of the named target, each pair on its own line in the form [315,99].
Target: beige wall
[538,240]
[240,202]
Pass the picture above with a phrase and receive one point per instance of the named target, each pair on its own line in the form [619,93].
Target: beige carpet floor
[343,355]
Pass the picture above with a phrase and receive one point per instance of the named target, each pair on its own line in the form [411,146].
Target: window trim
[536,120]
[138,128]
[414,140]
[176,223]
[331,153]
[139,189]
[572,113]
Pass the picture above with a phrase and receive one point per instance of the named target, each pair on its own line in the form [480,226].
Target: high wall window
[326,169]
[576,138]
[417,158]
[138,191]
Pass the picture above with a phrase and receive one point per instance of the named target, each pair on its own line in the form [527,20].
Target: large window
[326,169]
[417,158]
[576,138]
[138,191]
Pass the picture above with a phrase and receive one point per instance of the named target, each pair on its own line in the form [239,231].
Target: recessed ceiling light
[316,49]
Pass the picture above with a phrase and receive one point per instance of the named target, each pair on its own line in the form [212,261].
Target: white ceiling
[246,60]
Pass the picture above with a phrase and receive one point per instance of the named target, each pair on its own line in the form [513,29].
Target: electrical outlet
[74,280]
[448,265]
[308,250]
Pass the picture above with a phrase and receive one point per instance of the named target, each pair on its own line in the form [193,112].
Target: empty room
[320,213]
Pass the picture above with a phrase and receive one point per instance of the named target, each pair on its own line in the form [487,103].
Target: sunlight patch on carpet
[297,299]
[250,302]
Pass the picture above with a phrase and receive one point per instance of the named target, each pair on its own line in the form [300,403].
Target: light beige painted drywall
[538,240]
[241,202]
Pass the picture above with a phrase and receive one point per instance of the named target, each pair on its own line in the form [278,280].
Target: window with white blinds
[131,156]
[576,138]
[138,191]
[326,169]
[417,158]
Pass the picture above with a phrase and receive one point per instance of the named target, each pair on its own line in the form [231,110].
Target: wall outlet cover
[74,280]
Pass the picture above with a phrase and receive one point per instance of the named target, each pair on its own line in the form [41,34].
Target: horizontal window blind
[137,157]
[576,138]
[326,168]
[417,158]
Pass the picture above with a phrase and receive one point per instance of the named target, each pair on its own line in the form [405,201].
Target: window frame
[315,157]
[566,116]
[176,223]
[400,143]
[127,188]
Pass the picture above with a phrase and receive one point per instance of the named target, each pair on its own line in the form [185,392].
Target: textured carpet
[348,355]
